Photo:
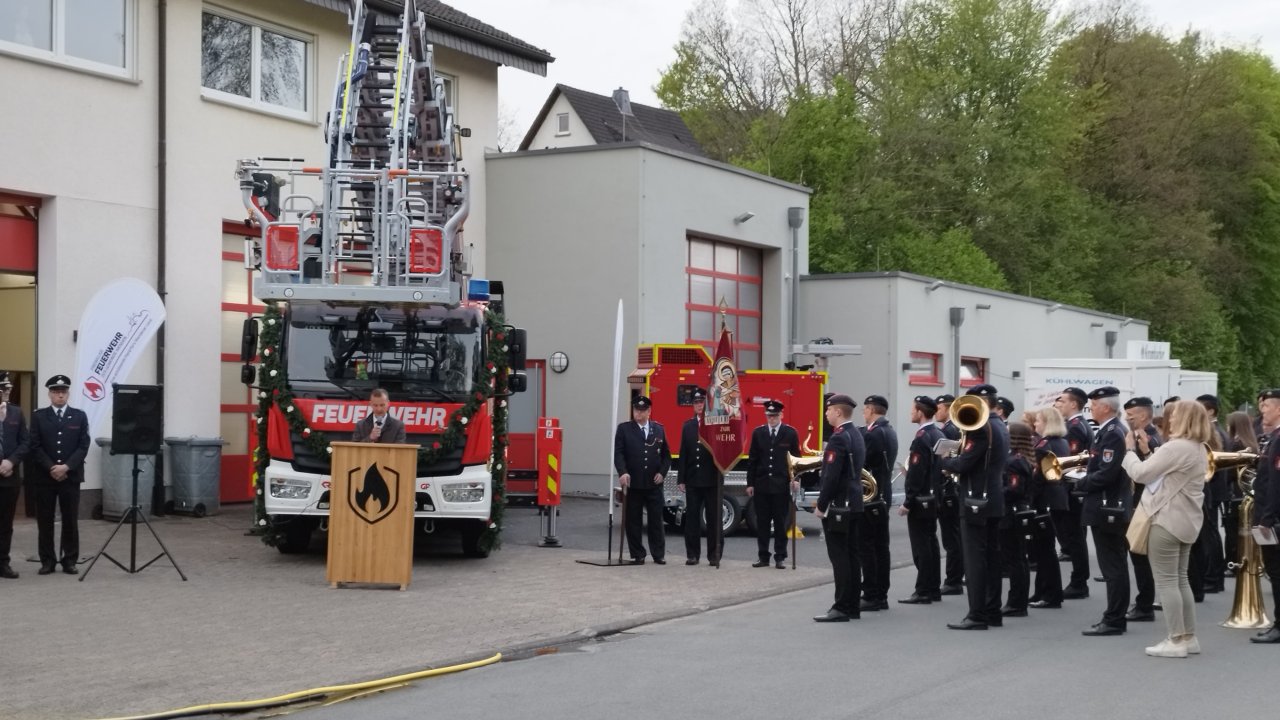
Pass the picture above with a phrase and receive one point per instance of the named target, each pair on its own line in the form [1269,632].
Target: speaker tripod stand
[131,516]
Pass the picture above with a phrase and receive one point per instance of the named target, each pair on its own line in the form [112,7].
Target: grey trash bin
[117,481]
[195,473]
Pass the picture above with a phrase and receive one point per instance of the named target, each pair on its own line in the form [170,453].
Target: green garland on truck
[492,383]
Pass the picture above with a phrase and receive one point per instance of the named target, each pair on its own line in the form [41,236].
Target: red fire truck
[668,374]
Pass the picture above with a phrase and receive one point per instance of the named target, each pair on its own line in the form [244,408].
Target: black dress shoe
[1007,611]
[935,597]
[1213,588]
[1075,593]
[1063,557]
[70,569]
[691,561]
[1103,629]
[951,590]
[873,605]
[1136,615]
[968,624]
[46,569]
[780,565]
[760,563]
[1269,637]
[915,599]
[1043,604]
[636,561]
[832,615]
[659,561]
[7,572]
[995,622]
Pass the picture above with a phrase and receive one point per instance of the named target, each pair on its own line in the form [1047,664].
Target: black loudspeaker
[137,421]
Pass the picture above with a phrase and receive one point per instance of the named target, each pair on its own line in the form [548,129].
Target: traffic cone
[795,532]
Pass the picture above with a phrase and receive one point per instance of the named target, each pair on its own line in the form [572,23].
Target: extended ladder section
[385,225]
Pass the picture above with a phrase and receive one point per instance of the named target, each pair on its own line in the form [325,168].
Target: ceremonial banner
[722,428]
[116,325]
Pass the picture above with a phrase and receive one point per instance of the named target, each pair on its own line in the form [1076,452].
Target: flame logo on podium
[375,498]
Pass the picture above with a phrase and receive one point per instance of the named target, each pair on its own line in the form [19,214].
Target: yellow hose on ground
[244,705]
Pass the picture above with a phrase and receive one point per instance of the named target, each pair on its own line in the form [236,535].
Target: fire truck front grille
[304,460]
[681,356]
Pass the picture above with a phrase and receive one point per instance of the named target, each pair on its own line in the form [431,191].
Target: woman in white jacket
[1174,476]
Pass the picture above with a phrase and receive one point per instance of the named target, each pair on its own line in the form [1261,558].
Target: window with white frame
[562,123]
[91,34]
[247,62]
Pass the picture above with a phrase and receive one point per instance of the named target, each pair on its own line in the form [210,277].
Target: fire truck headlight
[463,492]
[290,488]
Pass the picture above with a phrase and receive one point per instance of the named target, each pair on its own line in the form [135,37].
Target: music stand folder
[371,502]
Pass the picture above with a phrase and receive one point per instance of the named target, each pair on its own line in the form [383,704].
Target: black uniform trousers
[699,514]
[8,507]
[1048,585]
[1074,542]
[1200,568]
[1231,530]
[1013,552]
[982,568]
[638,502]
[846,565]
[50,497]
[1112,549]
[1271,562]
[926,555]
[949,528]
[1215,562]
[773,517]
[1144,583]
[874,542]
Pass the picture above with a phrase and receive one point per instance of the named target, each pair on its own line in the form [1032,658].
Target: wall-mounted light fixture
[906,366]
[1053,307]
[983,306]
[743,217]
[559,361]
[1095,324]
[1016,374]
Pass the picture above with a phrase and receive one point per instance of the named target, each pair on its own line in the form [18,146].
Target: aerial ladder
[385,224]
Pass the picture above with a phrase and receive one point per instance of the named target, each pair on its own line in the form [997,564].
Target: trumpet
[798,466]
[1053,467]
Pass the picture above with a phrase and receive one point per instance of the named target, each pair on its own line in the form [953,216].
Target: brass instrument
[1053,467]
[1220,460]
[797,466]
[969,412]
[1247,608]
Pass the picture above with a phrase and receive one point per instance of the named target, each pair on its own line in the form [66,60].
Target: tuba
[969,412]
[812,461]
[1247,607]
[1053,467]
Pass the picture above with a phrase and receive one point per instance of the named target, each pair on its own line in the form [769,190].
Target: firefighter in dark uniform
[1266,496]
[642,458]
[1108,499]
[882,452]
[949,510]
[769,485]
[1003,409]
[1137,415]
[980,468]
[1068,525]
[922,488]
[1208,567]
[59,444]
[698,477]
[14,445]
[841,485]
[1050,501]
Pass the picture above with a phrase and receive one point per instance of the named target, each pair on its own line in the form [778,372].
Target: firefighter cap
[944,399]
[1006,405]
[927,402]
[1138,402]
[1077,393]
[1105,391]
[984,390]
[877,401]
[841,399]
[772,407]
[4,380]
[641,402]
[1271,394]
[58,382]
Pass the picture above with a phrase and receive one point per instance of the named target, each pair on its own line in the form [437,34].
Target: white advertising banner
[117,324]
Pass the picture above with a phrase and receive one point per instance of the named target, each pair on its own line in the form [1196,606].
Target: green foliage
[1010,144]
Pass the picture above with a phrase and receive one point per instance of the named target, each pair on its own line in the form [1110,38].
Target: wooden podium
[371,502]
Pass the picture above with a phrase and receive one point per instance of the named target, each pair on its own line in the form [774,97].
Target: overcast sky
[600,45]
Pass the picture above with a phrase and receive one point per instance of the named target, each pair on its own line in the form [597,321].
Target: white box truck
[1157,379]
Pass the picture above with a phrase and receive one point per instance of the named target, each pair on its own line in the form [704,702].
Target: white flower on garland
[275,373]
[263,521]
[463,420]
[290,408]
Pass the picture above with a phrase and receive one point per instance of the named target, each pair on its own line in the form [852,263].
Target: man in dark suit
[642,458]
[698,477]
[14,444]
[1108,497]
[379,426]
[769,484]
[1067,523]
[882,451]
[949,515]
[841,486]
[922,488]
[979,469]
[59,444]
[1137,415]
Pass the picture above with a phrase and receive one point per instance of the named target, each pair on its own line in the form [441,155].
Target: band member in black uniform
[1003,409]
[841,485]
[1107,503]
[979,469]
[1137,415]
[882,451]
[1241,438]
[59,445]
[698,476]
[1208,564]
[949,512]
[14,445]
[922,488]
[1070,528]
[1266,496]
[1050,501]
[769,485]
[1013,541]
[642,458]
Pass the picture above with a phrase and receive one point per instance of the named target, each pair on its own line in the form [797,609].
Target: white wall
[546,135]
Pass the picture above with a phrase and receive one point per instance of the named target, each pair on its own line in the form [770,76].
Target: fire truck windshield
[426,353]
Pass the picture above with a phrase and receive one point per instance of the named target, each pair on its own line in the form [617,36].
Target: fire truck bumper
[466,495]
